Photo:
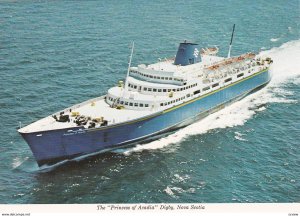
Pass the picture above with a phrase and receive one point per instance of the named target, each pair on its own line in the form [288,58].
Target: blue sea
[54,54]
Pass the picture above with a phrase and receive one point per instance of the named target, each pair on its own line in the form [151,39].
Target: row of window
[174,101]
[206,88]
[156,77]
[147,105]
[162,104]
[126,103]
[180,89]
[239,75]
[217,84]
[168,90]
[163,90]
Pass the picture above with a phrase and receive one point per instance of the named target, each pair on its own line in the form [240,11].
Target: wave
[290,30]
[286,63]
[239,136]
[18,161]
[274,39]
[286,68]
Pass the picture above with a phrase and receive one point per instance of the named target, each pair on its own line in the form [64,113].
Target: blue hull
[58,145]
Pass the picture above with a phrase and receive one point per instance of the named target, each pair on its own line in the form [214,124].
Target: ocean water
[57,53]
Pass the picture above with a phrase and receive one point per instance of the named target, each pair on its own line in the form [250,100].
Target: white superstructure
[156,87]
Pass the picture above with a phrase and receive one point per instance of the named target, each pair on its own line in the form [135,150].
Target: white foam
[286,63]
[296,81]
[261,109]
[179,178]
[286,68]
[178,190]
[169,191]
[274,39]
[18,161]
[282,92]
[239,135]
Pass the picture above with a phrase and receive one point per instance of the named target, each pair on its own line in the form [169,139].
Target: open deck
[94,108]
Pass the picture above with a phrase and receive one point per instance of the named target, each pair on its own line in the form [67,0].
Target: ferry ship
[153,99]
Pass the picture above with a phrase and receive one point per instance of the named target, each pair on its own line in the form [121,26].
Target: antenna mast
[231,41]
[129,63]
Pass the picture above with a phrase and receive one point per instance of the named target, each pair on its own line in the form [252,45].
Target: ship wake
[285,70]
